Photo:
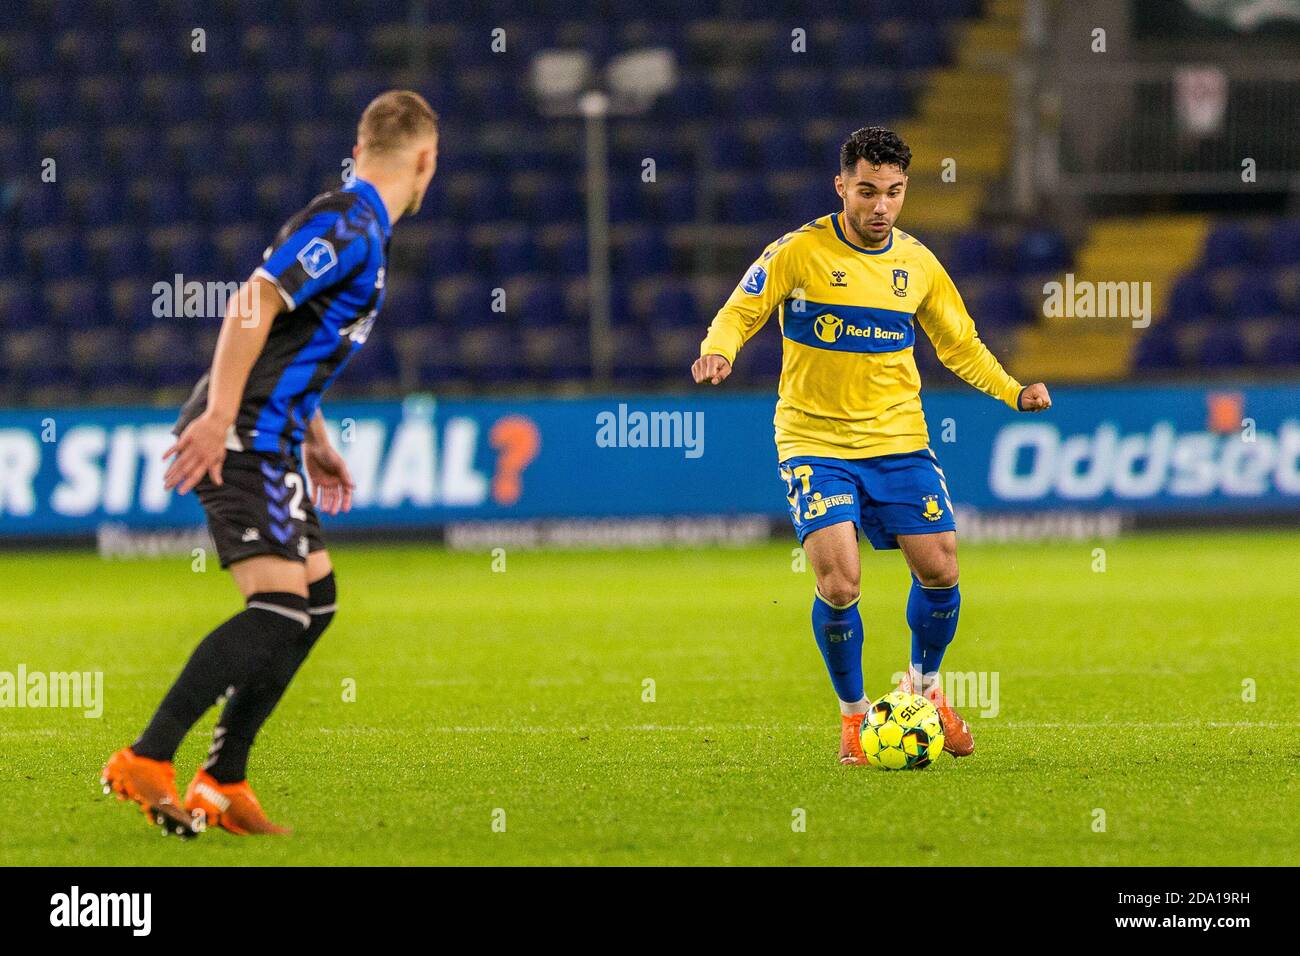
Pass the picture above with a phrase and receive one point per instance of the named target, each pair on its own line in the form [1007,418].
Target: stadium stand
[217,148]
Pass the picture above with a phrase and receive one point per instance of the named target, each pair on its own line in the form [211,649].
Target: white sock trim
[849,709]
[300,616]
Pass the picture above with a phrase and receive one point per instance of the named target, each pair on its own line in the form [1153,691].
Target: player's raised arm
[945,320]
[764,287]
[201,447]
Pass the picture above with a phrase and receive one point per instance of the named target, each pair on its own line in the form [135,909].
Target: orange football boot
[151,784]
[957,738]
[231,806]
[851,740]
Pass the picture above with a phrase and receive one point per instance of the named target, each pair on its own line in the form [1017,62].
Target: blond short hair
[393,119]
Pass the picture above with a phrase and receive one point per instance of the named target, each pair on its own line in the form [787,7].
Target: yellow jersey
[849,385]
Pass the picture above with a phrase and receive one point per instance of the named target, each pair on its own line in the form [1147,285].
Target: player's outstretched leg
[933,605]
[837,627]
[152,785]
[228,657]
[223,776]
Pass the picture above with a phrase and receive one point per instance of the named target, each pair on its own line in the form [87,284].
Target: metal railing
[1172,128]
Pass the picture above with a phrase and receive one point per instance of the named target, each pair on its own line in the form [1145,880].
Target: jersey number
[293,481]
[803,473]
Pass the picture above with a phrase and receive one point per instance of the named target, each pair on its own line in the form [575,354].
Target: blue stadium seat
[1222,347]
[405,304]
[1282,348]
[1157,350]
[1041,250]
[541,304]
[102,98]
[18,305]
[130,151]
[1230,244]
[509,248]
[1256,296]
[1283,245]
[156,201]
[1001,305]
[239,248]
[91,202]
[130,304]
[114,252]
[854,49]
[640,250]
[1192,298]
[52,253]
[674,305]
[670,199]
[73,304]
[784,148]
[462,301]
[745,201]
[692,98]
[973,253]
[232,98]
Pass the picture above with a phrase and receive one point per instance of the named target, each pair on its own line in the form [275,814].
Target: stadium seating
[1237,307]
[171,161]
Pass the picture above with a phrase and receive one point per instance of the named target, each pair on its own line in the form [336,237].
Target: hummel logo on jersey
[317,257]
[837,279]
[251,534]
[359,330]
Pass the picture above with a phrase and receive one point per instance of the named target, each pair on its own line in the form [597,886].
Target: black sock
[228,657]
[250,706]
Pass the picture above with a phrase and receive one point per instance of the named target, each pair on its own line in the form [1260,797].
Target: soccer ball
[901,731]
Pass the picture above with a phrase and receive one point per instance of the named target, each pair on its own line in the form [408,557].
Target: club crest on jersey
[837,278]
[754,280]
[828,327]
[930,508]
[900,282]
[317,257]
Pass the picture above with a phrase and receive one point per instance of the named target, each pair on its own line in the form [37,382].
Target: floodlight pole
[595,109]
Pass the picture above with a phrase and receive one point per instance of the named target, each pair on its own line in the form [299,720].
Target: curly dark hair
[878,146]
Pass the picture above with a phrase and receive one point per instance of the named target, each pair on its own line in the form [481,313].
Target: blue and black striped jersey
[328,264]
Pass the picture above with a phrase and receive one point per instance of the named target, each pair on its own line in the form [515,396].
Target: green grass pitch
[476,691]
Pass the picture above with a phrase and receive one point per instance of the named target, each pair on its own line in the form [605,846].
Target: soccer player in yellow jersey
[851,438]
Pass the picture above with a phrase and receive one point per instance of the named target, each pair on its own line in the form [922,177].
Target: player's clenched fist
[1035,398]
[710,368]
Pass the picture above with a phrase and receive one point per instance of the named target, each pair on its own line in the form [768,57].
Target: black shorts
[261,507]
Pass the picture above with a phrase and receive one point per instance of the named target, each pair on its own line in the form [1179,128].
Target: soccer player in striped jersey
[245,436]
[851,437]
